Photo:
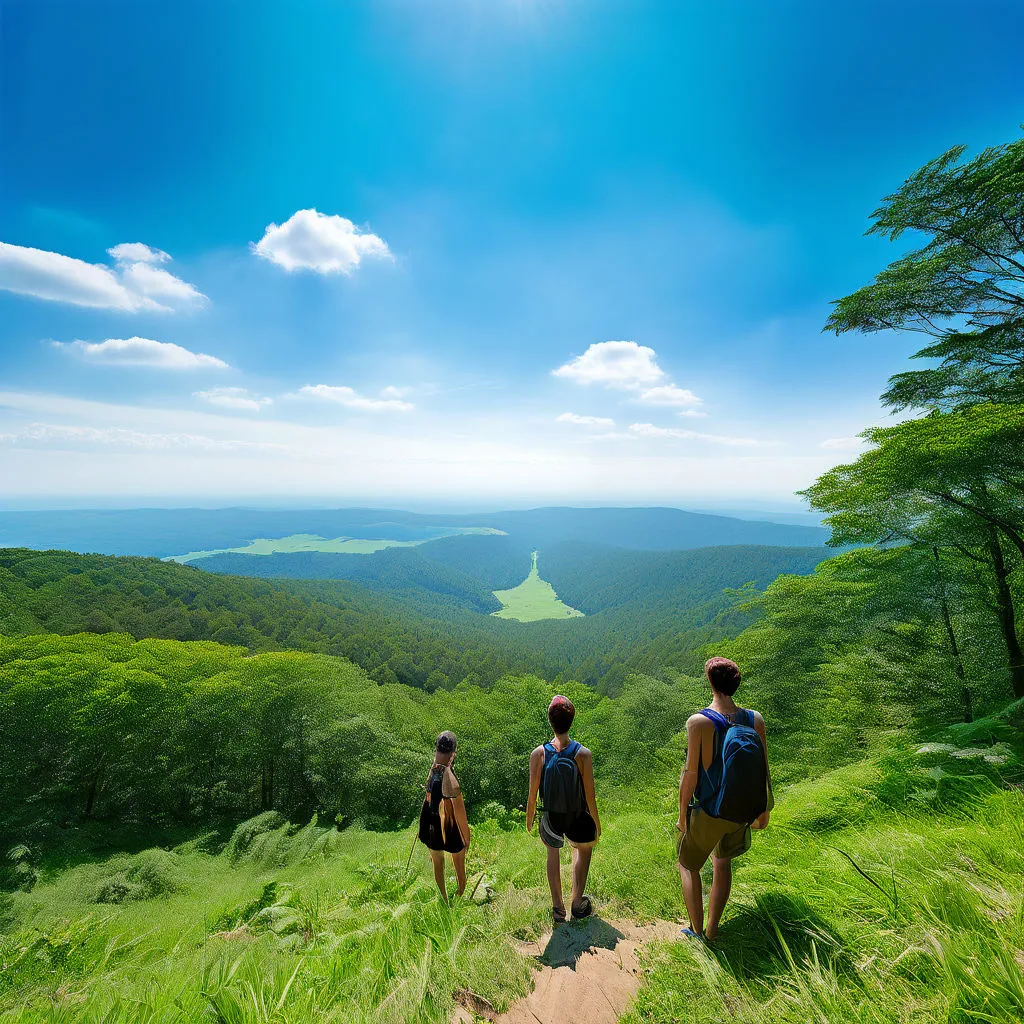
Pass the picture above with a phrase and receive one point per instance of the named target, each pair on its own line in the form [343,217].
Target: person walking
[724,792]
[444,827]
[562,773]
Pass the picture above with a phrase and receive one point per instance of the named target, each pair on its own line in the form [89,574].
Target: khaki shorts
[706,835]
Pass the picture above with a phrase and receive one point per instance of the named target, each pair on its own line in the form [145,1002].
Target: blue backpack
[735,787]
[561,784]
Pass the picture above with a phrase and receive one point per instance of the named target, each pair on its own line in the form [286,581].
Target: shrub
[145,876]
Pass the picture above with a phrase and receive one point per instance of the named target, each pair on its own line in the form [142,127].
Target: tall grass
[883,892]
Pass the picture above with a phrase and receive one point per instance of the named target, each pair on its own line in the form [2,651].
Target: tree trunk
[954,647]
[1007,617]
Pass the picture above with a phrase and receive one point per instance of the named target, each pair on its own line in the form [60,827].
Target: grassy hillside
[284,923]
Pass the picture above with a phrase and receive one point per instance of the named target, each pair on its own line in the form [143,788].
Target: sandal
[583,909]
[689,933]
[558,913]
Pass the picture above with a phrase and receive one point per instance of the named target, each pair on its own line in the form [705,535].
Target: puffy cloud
[234,398]
[670,394]
[842,444]
[351,398]
[650,430]
[160,355]
[64,435]
[585,421]
[131,285]
[137,252]
[310,240]
[614,364]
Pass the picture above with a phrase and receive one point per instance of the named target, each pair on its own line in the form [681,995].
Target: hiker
[563,772]
[444,827]
[724,792]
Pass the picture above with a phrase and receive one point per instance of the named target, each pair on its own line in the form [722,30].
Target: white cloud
[60,435]
[614,364]
[310,240]
[670,394]
[392,392]
[694,413]
[160,355]
[351,398]
[234,398]
[131,285]
[842,444]
[650,430]
[585,421]
[137,252]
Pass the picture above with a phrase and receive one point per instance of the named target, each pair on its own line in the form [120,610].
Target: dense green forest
[402,633]
[466,569]
[207,780]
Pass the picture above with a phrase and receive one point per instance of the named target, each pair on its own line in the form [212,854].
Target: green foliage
[145,876]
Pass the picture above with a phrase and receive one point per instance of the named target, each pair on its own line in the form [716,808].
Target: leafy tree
[947,480]
[964,287]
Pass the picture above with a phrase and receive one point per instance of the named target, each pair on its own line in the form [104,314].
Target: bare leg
[555,877]
[720,889]
[437,859]
[580,868]
[459,860]
[693,897]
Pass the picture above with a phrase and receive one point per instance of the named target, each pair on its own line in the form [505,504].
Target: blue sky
[502,188]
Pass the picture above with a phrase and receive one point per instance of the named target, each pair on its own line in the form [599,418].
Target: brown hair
[723,675]
[561,712]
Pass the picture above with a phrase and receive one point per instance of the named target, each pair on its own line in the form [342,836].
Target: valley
[533,600]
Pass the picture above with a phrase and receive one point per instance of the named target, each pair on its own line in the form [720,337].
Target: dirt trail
[590,975]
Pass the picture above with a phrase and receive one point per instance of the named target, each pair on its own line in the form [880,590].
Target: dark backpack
[737,781]
[561,784]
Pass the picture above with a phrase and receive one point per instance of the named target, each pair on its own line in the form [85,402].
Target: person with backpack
[562,772]
[724,792]
[444,827]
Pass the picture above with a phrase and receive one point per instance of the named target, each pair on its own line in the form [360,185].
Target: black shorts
[581,829]
[430,833]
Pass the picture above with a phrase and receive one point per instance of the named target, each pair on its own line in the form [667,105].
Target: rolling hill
[165,533]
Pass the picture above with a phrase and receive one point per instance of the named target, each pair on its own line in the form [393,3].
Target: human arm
[688,777]
[536,769]
[585,762]
[762,820]
[453,791]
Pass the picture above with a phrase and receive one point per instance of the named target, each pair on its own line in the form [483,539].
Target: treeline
[931,621]
[159,731]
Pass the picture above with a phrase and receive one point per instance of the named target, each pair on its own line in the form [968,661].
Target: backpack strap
[721,722]
[551,752]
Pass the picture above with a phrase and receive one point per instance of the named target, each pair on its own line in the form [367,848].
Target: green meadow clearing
[334,545]
[534,599]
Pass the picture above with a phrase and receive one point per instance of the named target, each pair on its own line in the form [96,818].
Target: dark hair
[723,675]
[560,714]
[446,743]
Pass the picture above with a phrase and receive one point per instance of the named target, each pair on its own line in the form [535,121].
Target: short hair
[561,712]
[723,675]
[446,743]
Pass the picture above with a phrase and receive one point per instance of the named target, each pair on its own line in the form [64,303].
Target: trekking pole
[415,836]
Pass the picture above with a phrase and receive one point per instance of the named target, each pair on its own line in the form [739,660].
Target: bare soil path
[589,975]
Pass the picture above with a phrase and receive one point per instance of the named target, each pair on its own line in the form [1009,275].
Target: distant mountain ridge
[166,532]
